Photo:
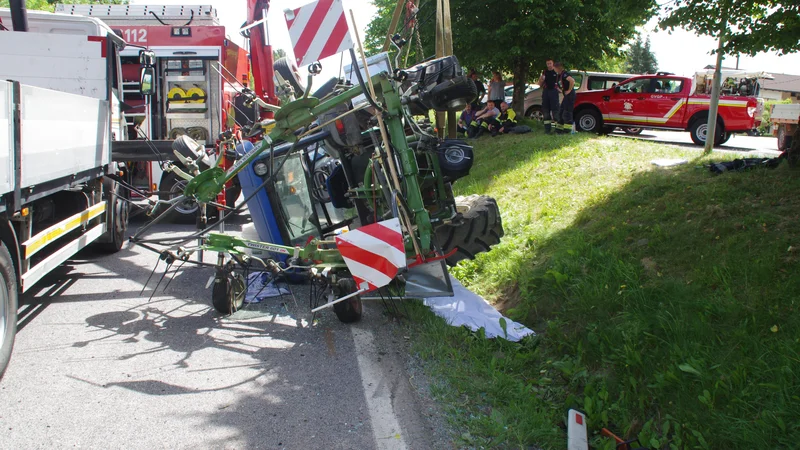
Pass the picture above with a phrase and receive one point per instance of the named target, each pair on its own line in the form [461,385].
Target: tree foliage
[517,36]
[751,26]
[639,58]
[50,5]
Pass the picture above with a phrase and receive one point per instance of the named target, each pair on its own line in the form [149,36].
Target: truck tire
[8,307]
[535,113]
[589,120]
[480,229]
[117,223]
[633,131]
[782,137]
[699,129]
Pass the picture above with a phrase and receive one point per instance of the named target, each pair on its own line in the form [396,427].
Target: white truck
[784,120]
[59,112]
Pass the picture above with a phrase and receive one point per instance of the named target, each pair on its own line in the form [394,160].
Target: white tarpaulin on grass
[466,308]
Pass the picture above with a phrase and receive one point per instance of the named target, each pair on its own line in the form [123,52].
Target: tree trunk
[713,106]
[520,71]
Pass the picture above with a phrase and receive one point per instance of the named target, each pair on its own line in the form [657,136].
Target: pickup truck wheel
[725,138]
[589,120]
[699,132]
[535,113]
[632,131]
[8,308]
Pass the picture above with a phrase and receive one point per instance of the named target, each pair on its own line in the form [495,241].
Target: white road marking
[385,426]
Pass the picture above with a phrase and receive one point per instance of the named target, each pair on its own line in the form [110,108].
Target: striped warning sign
[373,253]
[318,30]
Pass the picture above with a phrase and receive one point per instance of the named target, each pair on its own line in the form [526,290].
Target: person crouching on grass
[480,123]
[466,118]
[504,122]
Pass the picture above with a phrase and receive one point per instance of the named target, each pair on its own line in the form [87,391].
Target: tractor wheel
[480,228]
[8,307]
[350,310]
[228,293]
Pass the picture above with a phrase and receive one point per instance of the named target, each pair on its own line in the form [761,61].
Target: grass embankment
[665,300]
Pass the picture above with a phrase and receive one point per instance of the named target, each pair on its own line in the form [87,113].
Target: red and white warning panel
[373,253]
[318,30]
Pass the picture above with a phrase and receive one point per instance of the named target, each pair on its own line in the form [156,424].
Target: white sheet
[465,308]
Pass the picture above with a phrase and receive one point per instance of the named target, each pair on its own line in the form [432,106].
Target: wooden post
[398,10]
[444,47]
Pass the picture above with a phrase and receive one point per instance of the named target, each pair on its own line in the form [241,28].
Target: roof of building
[782,82]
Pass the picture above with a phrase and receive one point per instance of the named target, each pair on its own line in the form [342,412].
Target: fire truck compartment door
[176,52]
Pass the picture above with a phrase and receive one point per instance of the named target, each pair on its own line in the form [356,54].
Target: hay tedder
[357,191]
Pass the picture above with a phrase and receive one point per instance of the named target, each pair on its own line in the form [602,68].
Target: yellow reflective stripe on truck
[45,237]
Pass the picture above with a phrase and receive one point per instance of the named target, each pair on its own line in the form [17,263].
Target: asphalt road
[98,365]
[753,145]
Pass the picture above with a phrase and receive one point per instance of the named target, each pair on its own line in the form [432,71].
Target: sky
[681,52]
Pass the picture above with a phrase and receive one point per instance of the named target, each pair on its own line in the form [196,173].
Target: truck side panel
[6,136]
[62,134]
[73,63]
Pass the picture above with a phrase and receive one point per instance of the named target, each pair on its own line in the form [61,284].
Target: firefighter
[547,81]
[565,84]
[503,123]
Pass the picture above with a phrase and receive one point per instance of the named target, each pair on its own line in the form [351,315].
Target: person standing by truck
[547,81]
[565,84]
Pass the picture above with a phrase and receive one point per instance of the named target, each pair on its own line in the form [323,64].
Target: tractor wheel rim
[454,155]
[587,122]
[187,206]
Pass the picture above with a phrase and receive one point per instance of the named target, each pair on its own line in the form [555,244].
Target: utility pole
[444,47]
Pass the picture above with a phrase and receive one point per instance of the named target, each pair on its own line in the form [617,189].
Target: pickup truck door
[625,102]
[664,105]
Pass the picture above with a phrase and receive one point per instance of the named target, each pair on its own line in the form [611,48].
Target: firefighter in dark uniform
[547,81]
[505,122]
[566,85]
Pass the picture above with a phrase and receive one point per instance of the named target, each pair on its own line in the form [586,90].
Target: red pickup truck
[664,102]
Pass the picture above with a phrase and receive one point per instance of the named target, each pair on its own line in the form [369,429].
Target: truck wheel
[228,293]
[535,113]
[350,310]
[632,131]
[589,120]
[481,228]
[172,186]
[117,223]
[725,138]
[699,131]
[781,137]
[8,307]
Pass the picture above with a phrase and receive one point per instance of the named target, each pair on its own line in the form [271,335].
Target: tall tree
[740,26]
[639,58]
[518,36]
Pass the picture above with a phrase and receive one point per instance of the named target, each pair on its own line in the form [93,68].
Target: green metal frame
[299,113]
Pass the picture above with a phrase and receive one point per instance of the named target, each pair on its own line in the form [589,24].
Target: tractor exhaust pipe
[19,15]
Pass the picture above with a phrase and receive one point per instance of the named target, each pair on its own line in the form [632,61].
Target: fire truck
[198,72]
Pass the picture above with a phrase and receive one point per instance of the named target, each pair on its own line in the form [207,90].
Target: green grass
[665,300]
